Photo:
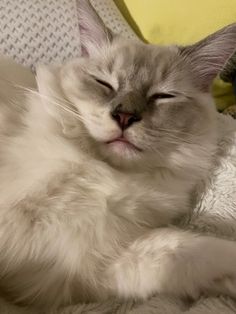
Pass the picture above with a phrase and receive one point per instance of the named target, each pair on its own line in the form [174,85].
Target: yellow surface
[177,21]
[223,94]
[181,22]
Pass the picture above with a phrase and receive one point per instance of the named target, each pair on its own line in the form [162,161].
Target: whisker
[173,134]
[27,89]
[173,139]
[55,102]
[170,131]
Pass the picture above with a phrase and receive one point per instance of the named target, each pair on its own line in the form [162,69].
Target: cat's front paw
[176,263]
[132,277]
[140,278]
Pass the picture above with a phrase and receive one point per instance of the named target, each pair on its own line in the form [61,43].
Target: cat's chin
[119,152]
[122,148]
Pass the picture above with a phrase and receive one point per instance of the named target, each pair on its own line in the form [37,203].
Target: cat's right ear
[93,33]
[208,56]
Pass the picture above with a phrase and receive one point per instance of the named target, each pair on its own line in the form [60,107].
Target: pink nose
[125,119]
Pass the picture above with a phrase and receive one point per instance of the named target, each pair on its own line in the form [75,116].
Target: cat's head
[140,103]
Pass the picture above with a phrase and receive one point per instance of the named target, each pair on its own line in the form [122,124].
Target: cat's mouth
[122,143]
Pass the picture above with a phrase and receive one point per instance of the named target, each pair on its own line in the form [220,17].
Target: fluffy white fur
[81,220]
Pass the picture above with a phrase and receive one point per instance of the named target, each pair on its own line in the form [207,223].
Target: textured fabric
[215,213]
[46,31]
[42,31]
[112,17]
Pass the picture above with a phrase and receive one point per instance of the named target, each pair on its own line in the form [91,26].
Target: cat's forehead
[139,63]
[142,54]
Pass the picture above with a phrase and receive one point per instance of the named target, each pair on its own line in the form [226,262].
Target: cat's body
[67,214]
[92,173]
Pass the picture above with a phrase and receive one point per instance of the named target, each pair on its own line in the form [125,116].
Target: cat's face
[141,103]
[137,100]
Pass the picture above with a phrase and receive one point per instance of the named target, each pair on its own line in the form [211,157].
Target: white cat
[95,166]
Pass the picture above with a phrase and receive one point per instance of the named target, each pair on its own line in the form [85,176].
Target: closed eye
[104,83]
[160,96]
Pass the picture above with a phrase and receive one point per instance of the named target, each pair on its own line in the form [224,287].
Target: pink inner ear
[208,57]
[93,33]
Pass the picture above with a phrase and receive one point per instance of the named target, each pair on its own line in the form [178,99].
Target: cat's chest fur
[57,185]
[60,171]
[74,213]
[87,187]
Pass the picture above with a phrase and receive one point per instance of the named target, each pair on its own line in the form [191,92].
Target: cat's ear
[54,99]
[208,56]
[93,33]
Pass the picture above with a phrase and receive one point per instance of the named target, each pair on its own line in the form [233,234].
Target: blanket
[214,213]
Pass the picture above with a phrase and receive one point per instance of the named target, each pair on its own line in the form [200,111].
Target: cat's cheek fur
[97,120]
[99,124]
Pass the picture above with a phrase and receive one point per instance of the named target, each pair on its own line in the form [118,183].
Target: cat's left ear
[208,56]
[93,33]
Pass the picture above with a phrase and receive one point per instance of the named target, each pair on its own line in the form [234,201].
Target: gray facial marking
[163,87]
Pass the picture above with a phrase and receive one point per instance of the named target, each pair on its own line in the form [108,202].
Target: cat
[99,163]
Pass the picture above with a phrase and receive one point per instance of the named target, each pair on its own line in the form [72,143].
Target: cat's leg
[175,262]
